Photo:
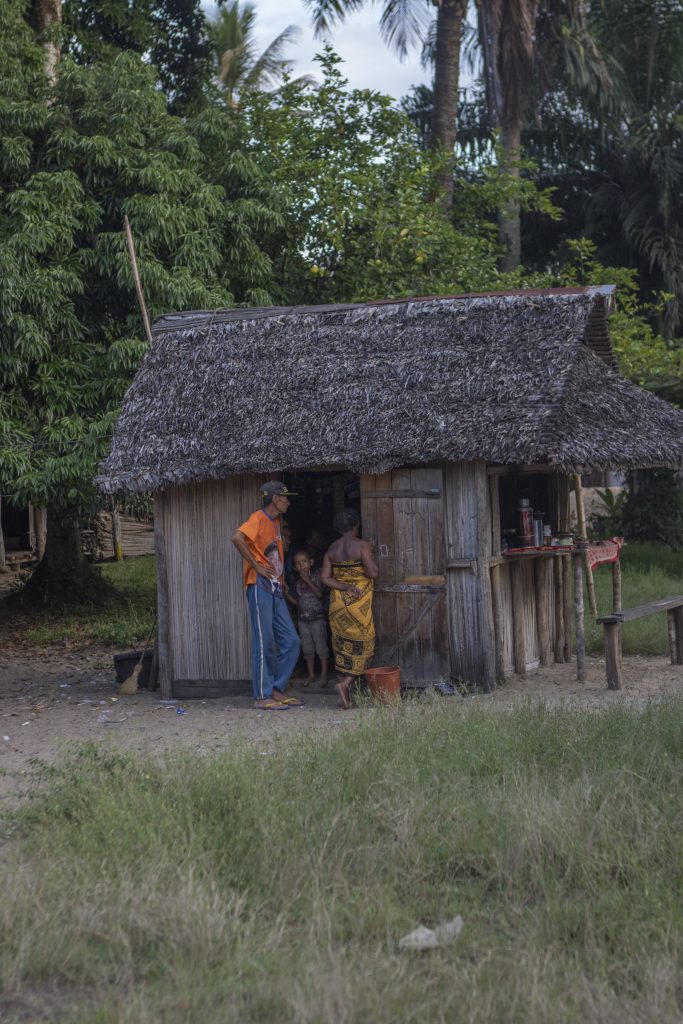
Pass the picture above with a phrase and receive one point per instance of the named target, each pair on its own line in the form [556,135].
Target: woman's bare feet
[342,688]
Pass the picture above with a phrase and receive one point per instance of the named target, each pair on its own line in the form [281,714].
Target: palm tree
[404,23]
[525,44]
[239,68]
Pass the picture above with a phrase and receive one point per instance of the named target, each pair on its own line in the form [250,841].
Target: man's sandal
[272,705]
[292,702]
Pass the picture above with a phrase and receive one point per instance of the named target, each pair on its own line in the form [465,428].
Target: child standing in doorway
[307,596]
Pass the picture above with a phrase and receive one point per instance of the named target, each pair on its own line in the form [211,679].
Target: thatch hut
[439,414]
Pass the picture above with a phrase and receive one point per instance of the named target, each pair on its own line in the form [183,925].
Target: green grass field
[273,883]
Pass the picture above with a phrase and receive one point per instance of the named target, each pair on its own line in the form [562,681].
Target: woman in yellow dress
[349,570]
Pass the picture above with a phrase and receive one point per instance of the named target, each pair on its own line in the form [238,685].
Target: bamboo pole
[580,624]
[616,598]
[581,517]
[136,278]
[558,581]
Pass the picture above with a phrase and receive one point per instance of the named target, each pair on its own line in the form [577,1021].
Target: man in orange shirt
[274,641]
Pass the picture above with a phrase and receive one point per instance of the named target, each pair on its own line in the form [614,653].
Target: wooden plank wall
[403,511]
[467,522]
[207,629]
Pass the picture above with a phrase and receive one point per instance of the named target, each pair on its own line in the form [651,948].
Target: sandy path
[53,698]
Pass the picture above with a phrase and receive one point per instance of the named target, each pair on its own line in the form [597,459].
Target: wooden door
[403,512]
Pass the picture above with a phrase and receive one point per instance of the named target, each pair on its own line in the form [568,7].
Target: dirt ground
[52,698]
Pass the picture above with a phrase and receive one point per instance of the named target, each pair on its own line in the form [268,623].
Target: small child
[312,625]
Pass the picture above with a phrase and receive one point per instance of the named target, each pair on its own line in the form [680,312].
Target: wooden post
[563,525]
[678,633]
[583,536]
[136,278]
[116,540]
[671,632]
[567,605]
[616,601]
[162,598]
[558,580]
[518,639]
[580,624]
[496,587]
[542,588]
[488,631]
[612,653]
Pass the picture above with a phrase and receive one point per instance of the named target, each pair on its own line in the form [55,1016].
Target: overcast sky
[368,62]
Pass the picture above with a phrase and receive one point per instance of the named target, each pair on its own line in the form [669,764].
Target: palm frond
[271,65]
[325,13]
[405,23]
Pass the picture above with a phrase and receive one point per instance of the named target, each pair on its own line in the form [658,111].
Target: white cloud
[368,61]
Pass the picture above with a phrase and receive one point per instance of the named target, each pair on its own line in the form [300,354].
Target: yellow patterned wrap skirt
[351,624]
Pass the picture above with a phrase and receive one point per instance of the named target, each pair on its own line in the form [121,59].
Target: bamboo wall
[203,627]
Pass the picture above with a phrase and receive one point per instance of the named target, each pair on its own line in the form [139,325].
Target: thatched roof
[525,377]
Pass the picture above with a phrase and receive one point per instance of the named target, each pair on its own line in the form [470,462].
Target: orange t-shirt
[262,533]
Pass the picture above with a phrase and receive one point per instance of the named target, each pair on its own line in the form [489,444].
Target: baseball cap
[273,487]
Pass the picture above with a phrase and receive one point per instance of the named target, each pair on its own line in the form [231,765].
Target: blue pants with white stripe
[275,644]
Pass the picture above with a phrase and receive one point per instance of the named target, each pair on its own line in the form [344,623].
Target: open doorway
[319,495]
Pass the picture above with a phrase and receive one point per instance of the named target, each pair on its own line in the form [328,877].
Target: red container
[384,683]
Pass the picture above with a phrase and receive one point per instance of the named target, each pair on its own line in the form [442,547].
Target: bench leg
[671,631]
[678,635]
[613,655]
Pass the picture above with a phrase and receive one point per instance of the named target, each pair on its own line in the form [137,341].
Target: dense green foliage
[73,164]
[313,193]
[362,218]
[173,34]
[208,888]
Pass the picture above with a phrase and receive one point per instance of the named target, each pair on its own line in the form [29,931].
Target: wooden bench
[673,606]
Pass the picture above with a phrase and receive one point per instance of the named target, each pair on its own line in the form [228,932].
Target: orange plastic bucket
[385,682]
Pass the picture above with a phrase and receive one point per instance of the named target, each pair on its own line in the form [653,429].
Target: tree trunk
[63,556]
[64,576]
[509,227]
[3,564]
[41,531]
[449,21]
[47,17]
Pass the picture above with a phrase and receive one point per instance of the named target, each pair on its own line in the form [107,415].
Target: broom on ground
[129,686]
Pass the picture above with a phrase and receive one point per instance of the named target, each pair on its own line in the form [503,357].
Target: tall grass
[273,884]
